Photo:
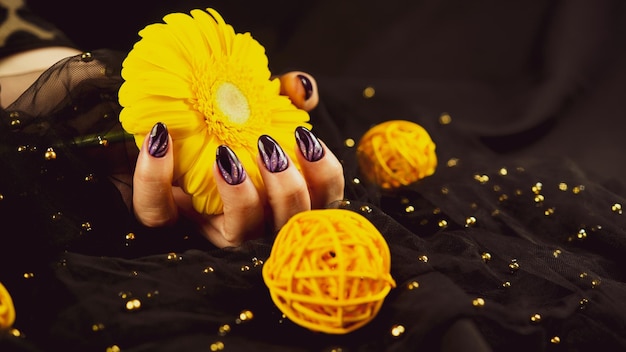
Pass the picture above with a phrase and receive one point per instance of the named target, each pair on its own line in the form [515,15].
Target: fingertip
[153,201]
[321,169]
[301,88]
[230,168]
[158,140]
[308,144]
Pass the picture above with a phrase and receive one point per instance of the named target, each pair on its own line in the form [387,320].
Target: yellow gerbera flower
[210,86]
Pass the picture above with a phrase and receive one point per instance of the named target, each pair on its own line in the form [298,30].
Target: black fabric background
[528,78]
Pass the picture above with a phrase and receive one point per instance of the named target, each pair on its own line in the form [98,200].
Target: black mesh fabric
[539,242]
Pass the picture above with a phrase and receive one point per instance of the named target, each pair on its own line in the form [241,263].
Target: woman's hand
[246,213]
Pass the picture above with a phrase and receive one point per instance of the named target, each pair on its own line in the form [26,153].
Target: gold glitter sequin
[50,154]
[97,327]
[15,123]
[86,226]
[133,304]
[595,283]
[452,162]
[257,262]
[103,141]
[423,259]
[506,284]
[481,178]
[397,330]
[582,234]
[217,346]
[349,143]
[478,302]
[555,340]
[485,257]
[583,275]
[114,348]
[539,198]
[356,181]
[224,329]
[366,209]
[369,92]
[245,268]
[578,189]
[244,316]
[563,186]
[412,285]
[443,223]
[549,211]
[409,209]
[583,303]
[208,269]
[86,56]
[617,208]
[470,221]
[556,253]
[90,178]
[535,318]
[130,236]
[173,256]
[537,188]
[503,171]
[445,118]
[15,332]
[514,266]
[445,190]
[29,275]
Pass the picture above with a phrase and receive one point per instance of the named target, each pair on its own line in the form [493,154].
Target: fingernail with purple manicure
[308,86]
[229,165]
[272,154]
[158,140]
[309,145]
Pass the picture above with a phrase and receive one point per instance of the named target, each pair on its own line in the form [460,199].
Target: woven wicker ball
[7,311]
[329,270]
[396,153]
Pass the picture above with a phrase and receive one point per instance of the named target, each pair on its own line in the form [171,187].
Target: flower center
[232,103]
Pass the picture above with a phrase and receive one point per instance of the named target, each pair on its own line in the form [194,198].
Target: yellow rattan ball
[396,153]
[7,311]
[329,270]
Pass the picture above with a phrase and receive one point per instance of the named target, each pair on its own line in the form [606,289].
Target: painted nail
[308,86]
[158,141]
[229,165]
[272,154]
[309,145]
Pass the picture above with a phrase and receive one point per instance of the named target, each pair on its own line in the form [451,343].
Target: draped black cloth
[515,243]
